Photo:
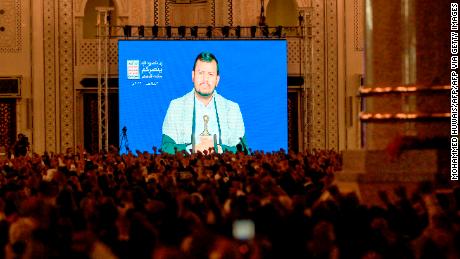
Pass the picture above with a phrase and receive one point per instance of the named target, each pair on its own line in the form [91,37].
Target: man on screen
[203,119]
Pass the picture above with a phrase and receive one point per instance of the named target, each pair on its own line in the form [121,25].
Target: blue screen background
[253,73]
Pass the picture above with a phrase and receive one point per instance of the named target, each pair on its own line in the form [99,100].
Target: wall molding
[332,129]
[66,73]
[358,25]
[230,12]
[167,14]
[155,12]
[322,124]
[318,99]
[59,71]
[11,37]
[50,74]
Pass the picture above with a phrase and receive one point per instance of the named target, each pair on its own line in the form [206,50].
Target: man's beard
[204,94]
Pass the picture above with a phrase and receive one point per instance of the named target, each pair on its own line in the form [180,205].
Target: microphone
[193,142]
[244,146]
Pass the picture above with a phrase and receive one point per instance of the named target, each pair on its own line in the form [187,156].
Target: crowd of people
[157,205]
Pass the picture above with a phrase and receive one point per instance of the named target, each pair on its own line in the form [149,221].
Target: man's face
[205,78]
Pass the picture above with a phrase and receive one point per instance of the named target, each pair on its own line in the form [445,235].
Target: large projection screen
[253,74]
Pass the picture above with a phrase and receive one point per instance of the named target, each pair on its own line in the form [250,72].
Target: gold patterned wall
[59,80]
[50,75]
[324,86]
[7,122]
[10,26]
[68,58]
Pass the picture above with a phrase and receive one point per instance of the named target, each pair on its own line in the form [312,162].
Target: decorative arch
[89,20]
[120,6]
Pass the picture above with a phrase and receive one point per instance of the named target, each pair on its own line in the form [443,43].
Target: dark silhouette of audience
[154,205]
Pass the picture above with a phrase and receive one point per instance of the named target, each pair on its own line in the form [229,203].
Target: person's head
[205,74]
